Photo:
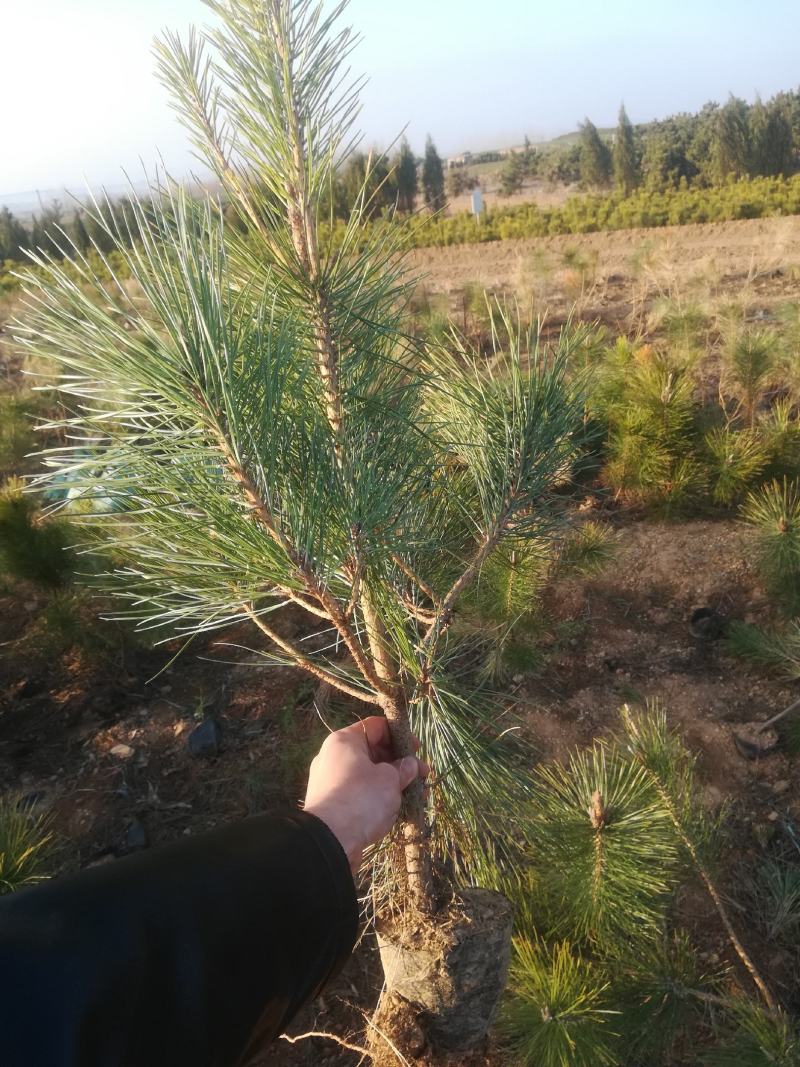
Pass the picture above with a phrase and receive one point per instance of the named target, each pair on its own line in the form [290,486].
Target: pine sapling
[269,433]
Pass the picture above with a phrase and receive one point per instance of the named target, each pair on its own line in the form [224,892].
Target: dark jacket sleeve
[193,954]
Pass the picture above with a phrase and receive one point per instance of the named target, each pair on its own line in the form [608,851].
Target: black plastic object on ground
[204,741]
[707,624]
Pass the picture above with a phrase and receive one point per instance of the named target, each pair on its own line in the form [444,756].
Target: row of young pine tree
[734,140]
[387,180]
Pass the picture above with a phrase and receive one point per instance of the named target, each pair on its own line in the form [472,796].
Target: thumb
[407,769]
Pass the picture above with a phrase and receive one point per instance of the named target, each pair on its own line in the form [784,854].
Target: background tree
[433,177]
[405,176]
[45,228]
[595,156]
[562,165]
[519,167]
[78,233]
[368,176]
[730,144]
[771,140]
[459,181]
[668,156]
[625,155]
[14,238]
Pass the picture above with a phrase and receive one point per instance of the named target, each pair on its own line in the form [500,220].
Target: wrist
[342,829]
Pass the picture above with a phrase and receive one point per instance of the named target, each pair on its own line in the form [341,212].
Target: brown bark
[395,707]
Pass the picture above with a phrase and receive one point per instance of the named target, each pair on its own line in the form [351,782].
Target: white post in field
[477,202]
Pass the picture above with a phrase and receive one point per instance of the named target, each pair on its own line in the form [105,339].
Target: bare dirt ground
[61,726]
[96,742]
[610,276]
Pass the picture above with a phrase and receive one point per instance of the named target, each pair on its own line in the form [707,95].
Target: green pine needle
[603,845]
[771,648]
[24,842]
[558,1012]
[756,1039]
[774,514]
[735,460]
[657,987]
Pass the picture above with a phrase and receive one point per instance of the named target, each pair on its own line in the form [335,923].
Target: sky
[82,103]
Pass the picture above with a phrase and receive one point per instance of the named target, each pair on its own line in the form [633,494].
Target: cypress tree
[595,156]
[368,176]
[433,177]
[770,131]
[14,238]
[625,160]
[405,174]
[78,232]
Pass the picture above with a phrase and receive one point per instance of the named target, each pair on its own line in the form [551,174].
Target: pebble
[135,836]
[781,787]
[121,751]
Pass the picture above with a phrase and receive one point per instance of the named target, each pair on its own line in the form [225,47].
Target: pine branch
[640,752]
[330,608]
[412,576]
[308,664]
[185,74]
[444,614]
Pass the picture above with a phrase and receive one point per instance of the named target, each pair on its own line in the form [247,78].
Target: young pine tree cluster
[602,973]
[672,448]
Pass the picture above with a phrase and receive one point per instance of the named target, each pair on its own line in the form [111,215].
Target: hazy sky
[80,98]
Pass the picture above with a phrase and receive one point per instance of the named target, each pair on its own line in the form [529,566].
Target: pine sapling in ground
[267,433]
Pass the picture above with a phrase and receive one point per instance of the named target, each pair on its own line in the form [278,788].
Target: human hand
[356,787]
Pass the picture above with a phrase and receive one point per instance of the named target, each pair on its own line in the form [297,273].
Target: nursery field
[621,277]
[691,365]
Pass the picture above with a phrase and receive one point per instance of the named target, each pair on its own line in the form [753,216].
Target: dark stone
[204,741]
[135,837]
[706,624]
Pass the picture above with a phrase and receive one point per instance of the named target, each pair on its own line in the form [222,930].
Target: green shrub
[17,436]
[656,986]
[684,324]
[774,894]
[24,841]
[33,548]
[769,648]
[756,1038]
[780,432]
[645,208]
[587,549]
[649,406]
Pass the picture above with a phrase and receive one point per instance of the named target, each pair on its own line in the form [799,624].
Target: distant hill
[567,140]
[30,202]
